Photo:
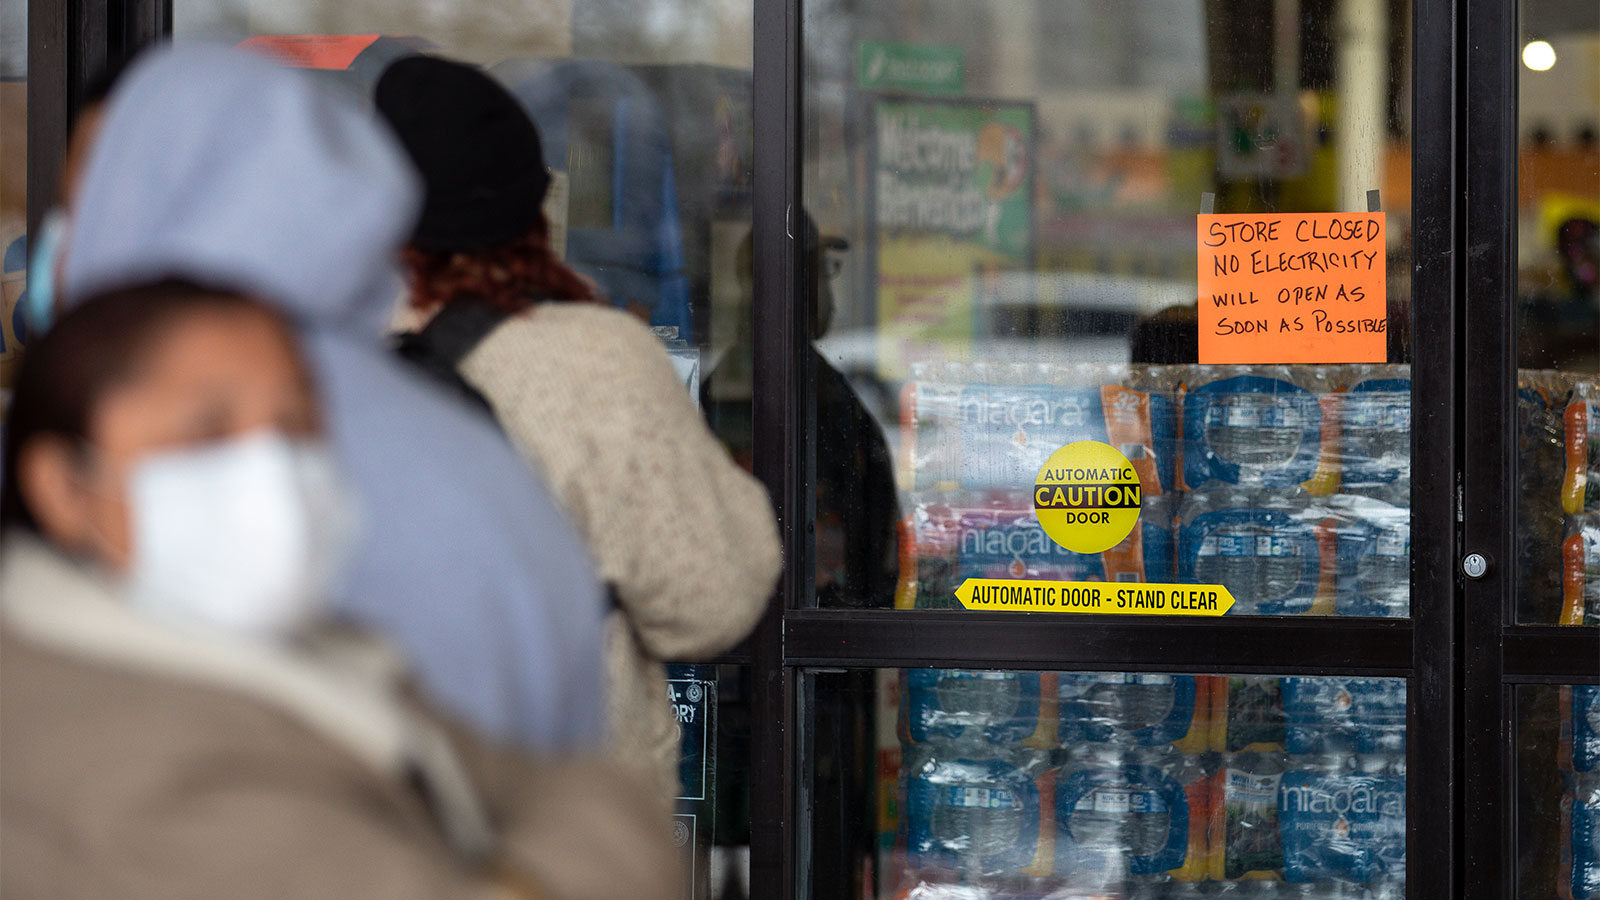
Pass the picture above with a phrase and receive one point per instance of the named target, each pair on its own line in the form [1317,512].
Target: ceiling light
[1539,56]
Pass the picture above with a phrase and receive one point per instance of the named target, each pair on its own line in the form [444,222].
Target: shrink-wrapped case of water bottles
[1143,785]
[1288,484]
[1558,498]
[1578,755]
[1580,502]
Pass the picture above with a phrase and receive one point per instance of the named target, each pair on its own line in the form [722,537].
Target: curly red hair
[510,276]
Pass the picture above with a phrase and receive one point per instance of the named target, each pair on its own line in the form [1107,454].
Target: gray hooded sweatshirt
[218,167]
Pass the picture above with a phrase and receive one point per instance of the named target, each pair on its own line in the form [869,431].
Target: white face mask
[245,536]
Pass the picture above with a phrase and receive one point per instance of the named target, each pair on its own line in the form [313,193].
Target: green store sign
[920,68]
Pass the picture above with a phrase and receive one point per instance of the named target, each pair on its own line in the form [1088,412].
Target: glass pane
[712,820]
[1558,314]
[644,114]
[644,110]
[13,186]
[1558,791]
[951,784]
[1005,262]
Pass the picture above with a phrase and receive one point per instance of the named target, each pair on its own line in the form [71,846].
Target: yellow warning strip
[1123,598]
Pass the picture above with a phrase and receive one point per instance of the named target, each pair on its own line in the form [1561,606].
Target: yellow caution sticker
[1122,598]
[1088,497]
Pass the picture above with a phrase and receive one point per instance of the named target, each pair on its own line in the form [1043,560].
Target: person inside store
[857,506]
[273,182]
[180,720]
[684,538]
[1168,337]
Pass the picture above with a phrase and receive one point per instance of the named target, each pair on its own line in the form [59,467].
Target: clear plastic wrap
[1151,786]
[951,705]
[1374,536]
[1260,426]
[1541,399]
[1134,709]
[952,536]
[978,426]
[1580,488]
[1579,752]
[1580,571]
[1275,549]
[1132,812]
[975,810]
[1289,484]
[1241,468]
[1579,873]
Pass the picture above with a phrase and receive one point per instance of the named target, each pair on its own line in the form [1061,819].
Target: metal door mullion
[1288,646]
[780,380]
[1552,654]
[1433,820]
[1488,366]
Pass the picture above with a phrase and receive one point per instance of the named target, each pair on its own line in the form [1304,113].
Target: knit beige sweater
[685,536]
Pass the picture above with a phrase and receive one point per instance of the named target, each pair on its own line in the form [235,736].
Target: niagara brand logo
[978,409]
[1359,799]
[1015,542]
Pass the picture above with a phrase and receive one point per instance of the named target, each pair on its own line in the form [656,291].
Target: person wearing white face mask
[177,717]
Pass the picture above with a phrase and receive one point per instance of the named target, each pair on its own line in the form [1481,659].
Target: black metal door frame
[1427,649]
[69,43]
[1497,654]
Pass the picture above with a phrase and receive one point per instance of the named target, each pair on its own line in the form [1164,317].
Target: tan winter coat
[685,536]
[145,762]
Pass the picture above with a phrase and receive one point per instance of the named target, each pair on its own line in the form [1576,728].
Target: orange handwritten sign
[1293,288]
[311,51]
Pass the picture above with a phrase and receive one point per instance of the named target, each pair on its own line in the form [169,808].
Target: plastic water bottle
[1218,543]
[1248,792]
[984,702]
[1095,817]
[1580,837]
[1090,708]
[974,807]
[1580,571]
[1321,715]
[1162,823]
[1158,539]
[1341,823]
[1145,700]
[1381,708]
[1260,426]
[1375,554]
[1376,417]
[1287,553]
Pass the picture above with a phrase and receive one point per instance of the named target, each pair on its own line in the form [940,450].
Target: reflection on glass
[1558,314]
[1558,791]
[645,121]
[13,185]
[1018,185]
[712,820]
[644,116]
[993,784]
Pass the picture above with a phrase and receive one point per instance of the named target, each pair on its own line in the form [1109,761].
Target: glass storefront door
[1013,213]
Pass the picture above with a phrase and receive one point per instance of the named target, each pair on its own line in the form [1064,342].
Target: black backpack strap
[458,328]
[445,341]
